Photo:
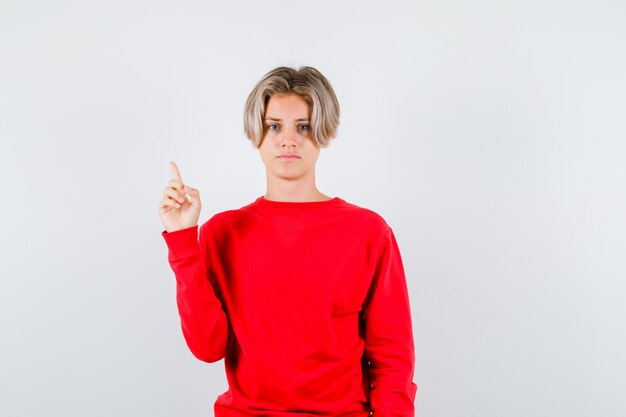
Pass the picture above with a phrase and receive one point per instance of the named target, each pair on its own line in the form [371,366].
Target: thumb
[191,191]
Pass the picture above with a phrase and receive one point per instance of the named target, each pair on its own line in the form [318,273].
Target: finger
[176,195]
[191,193]
[175,184]
[176,191]
[167,202]
[175,171]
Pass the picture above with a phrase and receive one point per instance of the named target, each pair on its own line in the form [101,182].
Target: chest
[299,272]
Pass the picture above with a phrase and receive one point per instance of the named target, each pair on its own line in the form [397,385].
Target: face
[288,149]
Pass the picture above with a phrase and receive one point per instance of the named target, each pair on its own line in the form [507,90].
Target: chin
[288,175]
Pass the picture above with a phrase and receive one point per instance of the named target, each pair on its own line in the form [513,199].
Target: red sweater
[307,303]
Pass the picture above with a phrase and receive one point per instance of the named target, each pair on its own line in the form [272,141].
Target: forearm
[392,391]
[389,344]
[203,320]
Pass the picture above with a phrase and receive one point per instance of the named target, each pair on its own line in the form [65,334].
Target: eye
[303,127]
[272,126]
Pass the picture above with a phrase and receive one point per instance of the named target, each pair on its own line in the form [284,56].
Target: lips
[289,156]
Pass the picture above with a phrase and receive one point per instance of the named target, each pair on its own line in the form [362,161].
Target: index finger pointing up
[175,171]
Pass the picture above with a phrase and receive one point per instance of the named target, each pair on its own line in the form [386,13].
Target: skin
[287,130]
[180,206]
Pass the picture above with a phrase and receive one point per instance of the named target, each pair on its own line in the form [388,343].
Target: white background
[489,134]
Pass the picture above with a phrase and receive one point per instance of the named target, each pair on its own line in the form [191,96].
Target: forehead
[287,103]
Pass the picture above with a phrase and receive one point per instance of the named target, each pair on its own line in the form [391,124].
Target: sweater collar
[296,205]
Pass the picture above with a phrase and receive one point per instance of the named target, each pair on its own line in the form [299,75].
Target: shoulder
[366,217]
[226,219]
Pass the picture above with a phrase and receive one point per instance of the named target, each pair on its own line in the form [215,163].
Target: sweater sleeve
[203,320]
[389,345]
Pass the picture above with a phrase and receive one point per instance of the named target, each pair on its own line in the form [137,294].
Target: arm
[389,345]
[203,321]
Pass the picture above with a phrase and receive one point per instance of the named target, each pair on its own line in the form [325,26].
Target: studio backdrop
[489,135]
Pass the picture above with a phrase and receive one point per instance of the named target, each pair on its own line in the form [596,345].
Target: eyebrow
[302,119]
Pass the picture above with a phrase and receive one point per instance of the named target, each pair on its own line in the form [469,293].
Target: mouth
[289,157]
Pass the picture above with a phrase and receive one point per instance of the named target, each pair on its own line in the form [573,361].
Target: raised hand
[180,206]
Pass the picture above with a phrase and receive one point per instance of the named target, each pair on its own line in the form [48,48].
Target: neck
[296,190]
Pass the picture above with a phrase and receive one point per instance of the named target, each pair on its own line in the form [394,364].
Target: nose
[289,138]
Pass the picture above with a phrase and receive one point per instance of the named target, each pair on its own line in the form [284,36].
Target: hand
[180,206]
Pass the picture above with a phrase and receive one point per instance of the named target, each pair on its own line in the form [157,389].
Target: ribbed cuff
[182,243]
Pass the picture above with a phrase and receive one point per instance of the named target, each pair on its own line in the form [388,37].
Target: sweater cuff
[182,243]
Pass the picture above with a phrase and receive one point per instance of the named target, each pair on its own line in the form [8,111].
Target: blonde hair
[308,83]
